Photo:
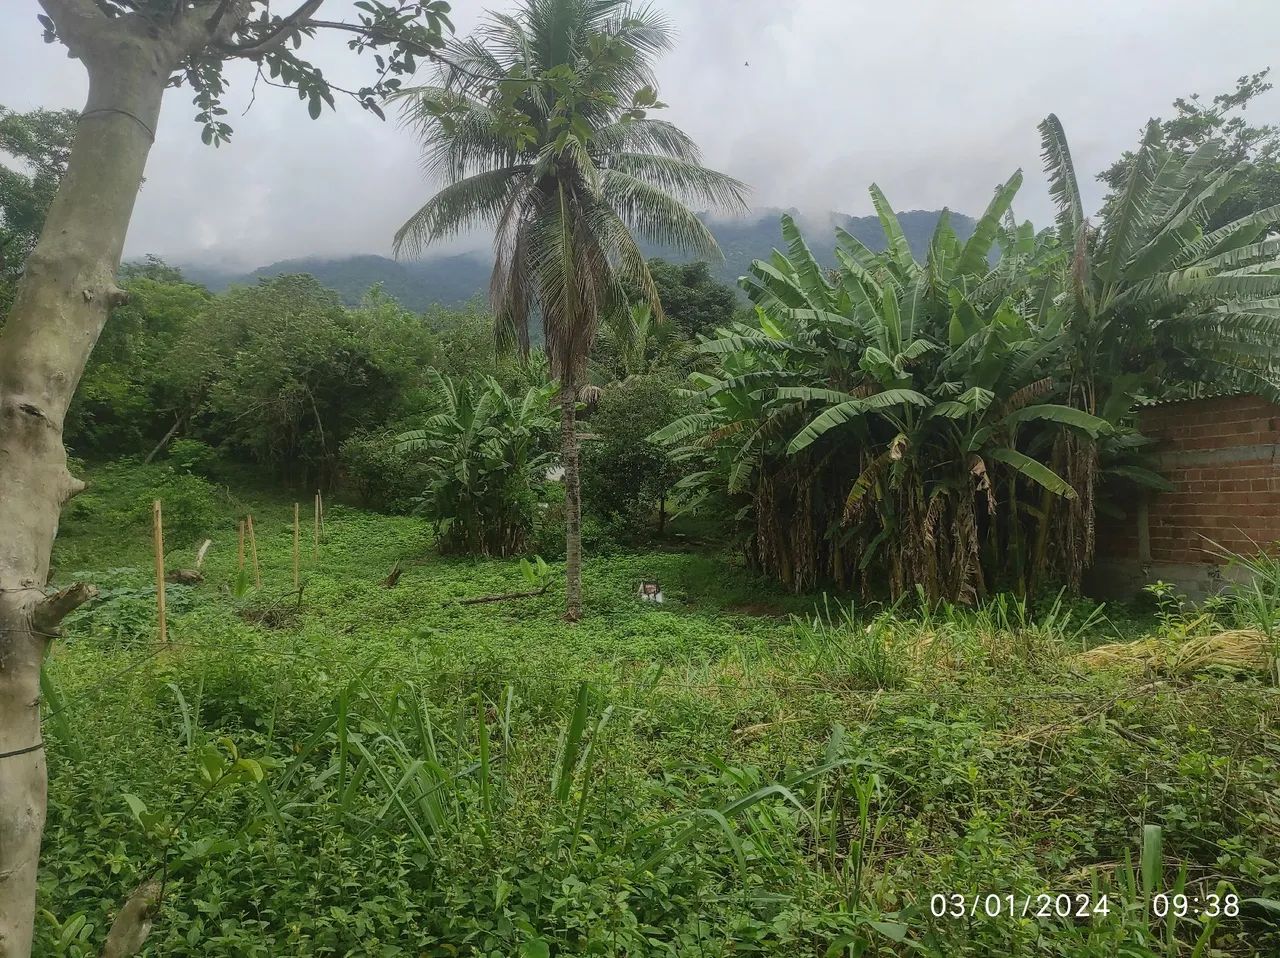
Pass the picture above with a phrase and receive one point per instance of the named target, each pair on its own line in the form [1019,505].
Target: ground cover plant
[737,771]
[833,691]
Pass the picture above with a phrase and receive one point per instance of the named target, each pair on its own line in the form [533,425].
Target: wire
[23,751]
[109,680]
[150,132]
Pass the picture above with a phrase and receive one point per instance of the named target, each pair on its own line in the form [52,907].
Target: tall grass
[855,653]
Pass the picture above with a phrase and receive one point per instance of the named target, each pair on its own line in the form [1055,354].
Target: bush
[190,507]
[121,495]
[192,456]
[378,474]
[599,536]
[125,610]
[625,477]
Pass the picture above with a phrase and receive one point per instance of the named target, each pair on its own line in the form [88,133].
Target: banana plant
[482,451]
[912,406]
[942,423]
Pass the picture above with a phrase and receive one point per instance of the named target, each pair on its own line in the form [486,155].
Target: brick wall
[1223,457]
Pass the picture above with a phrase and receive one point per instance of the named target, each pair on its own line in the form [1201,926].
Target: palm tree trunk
[572,498]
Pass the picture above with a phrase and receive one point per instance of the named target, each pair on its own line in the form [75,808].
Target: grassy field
[384,771]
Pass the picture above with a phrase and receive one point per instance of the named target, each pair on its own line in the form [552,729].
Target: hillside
[451,280]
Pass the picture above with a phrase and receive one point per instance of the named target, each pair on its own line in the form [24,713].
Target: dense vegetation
[737,771]
[944,427]
[866,482]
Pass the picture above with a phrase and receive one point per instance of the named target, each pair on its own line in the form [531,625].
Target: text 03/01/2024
[992,905]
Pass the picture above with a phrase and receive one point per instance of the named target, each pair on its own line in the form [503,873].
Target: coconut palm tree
[538,125]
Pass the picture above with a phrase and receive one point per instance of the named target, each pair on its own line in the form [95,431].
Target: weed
[673,780]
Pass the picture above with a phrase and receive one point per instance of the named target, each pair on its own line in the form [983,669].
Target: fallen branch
[506,596]
[274,615]
[191,576]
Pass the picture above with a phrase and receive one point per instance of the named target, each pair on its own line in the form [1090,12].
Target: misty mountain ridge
[451,280]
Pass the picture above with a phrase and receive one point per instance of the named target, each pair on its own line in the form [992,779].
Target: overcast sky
[808,101]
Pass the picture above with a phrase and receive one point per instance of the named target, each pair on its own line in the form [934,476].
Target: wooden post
[320,496]
[315,531]
[240,555]
[158,541]
[253,553]
[296,537]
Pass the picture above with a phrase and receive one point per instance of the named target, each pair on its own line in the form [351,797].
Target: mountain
[446,279]
[452,280]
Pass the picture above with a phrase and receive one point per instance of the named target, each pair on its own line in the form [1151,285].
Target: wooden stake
[320,496]
[297,534]
[158,541]
[315,531]
[240,557]
[253,553]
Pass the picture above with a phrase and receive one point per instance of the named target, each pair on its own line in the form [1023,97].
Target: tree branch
[506,596]
[417,49]
[364,31]
[287,27]
[213,22]
[76,20]
[52,609]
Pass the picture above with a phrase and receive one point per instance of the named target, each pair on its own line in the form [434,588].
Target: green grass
[737,771]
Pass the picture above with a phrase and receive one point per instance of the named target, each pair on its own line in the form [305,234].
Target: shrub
[599,537]
[378,473]
[626,478]
[121,495]
[192,456]
[125,610]
[190,507]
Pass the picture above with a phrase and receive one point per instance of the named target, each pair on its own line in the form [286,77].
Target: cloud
[809,101]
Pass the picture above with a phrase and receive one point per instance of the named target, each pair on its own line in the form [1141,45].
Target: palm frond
[476,200]
[657,216]
[1063,186]
[686,181]
[647,136]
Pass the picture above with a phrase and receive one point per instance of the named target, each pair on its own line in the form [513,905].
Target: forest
[621,609]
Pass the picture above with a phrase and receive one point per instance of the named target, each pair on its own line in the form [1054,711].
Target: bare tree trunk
[572,498]
[60,308]
[173,430]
